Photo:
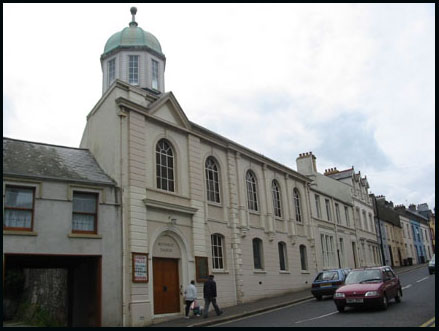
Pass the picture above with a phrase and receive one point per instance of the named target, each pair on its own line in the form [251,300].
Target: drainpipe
[383,259]
[122,115]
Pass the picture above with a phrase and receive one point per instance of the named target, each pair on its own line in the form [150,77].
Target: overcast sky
[353,83]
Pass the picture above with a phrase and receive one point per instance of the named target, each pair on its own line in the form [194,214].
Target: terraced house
[62,250]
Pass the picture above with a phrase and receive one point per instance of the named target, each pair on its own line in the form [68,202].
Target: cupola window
[133,69]
[111,71]
[155,75]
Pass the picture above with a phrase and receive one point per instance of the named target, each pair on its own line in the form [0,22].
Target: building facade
[332,218]
[389,231]
[62,212]
[365,227]
[194,202]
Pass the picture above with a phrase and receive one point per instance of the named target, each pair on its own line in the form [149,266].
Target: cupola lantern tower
[135,56]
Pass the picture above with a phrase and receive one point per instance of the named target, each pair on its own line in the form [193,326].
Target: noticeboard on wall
[201,269]
[140,267]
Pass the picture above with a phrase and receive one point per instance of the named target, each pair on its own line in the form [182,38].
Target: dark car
[369,287]
[327,281]
[431,265]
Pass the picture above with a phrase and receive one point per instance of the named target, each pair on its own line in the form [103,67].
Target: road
[416,309]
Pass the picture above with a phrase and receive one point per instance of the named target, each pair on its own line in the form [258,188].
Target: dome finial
[133,11]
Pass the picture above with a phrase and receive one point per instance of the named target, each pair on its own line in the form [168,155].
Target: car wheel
[340,309]
[398,296]
[385,302]
[318,297]
[431,272]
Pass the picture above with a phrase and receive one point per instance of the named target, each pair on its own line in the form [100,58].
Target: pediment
[168,109]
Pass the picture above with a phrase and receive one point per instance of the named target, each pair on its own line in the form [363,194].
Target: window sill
[220,271]
[254,212]
[84,235]
[215,204]
[304,272]
[259,272]
[285,272]
[19,233]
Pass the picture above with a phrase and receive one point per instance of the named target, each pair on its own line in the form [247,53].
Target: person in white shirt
[190,294]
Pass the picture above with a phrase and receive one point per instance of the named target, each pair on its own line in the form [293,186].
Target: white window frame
[155,74]
[111,67]
[218,258]
[275,190]
[212,180]
[252,191]
[296,196]
[133,69]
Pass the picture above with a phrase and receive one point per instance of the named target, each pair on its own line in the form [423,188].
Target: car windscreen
[327,275]
[362,276]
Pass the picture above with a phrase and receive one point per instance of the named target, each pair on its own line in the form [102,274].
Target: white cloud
[269,76]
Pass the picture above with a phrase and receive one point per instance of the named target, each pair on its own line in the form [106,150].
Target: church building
[193,202]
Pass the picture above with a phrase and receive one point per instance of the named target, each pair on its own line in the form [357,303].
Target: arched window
[276,198]
[258,254]
[212,180]
[282,255]
[165,166]
[217,241]
[297,205]
[251,191]
[303,257]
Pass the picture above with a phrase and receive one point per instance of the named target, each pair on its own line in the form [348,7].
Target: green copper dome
[133,36]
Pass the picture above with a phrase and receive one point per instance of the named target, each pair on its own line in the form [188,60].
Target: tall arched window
[251,191]
[276,198]
[297,205]
[165,166]
[257,254]
[212,180]
[217,241]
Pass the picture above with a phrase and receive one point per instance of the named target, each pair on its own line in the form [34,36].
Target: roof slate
[37,160]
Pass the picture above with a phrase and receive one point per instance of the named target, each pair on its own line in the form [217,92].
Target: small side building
[61,233]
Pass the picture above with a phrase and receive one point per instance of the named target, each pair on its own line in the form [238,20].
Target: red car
[369,287]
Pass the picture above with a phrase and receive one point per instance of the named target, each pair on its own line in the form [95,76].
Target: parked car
[431,265]
[327,281]
[369,287]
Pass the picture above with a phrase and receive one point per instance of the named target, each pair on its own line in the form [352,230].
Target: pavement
[255,307]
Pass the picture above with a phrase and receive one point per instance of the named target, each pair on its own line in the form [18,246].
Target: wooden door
[166,291]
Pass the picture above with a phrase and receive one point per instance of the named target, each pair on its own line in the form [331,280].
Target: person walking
[190,294]
[209,293]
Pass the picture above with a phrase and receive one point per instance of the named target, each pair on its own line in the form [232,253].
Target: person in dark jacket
[209,293]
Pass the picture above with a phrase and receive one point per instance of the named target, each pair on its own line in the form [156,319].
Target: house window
[337,213]
[217,251]
[282,247]
[257,254]
[346,213]
[165,166]
[303,257]
[133,69]
[251,191]
[371,223]
[212,180]
[297,205]
[111,71]
[319,211]
[341,252]
[328,210]
[18,208]
[328,252]
[155,75]
[276,198]
[84,219]
[365,220]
